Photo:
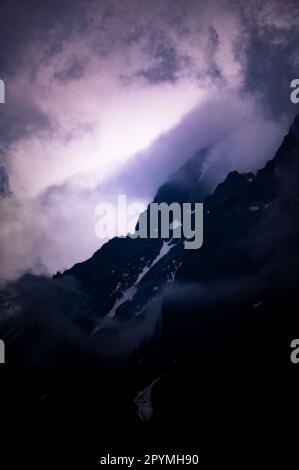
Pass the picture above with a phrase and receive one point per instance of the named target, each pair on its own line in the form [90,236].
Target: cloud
[271,55]
[37,319]
[38,324]
[4,183]
[56,229]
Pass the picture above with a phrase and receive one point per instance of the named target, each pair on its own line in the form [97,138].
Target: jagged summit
[281,174]
[235,183]
[186,182]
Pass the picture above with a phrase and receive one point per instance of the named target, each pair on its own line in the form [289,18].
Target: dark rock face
[188,183]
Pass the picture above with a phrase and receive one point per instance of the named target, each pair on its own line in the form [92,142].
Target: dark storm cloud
[167,66]
[22,26]
[167,62]
[74,70]
[54,23]
[4,183]
[270,47]
[271,55]
[20,117]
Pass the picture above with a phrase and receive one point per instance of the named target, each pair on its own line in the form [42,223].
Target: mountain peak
[182,184]
[280,174]
[235,183]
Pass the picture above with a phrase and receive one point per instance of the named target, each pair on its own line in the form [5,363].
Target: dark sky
[113,96]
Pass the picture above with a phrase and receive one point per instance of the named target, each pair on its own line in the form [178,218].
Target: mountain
[181,350]
[126,274]
[228,311]
[188,183]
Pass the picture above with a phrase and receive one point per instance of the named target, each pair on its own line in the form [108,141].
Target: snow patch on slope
[143,401]
[129,293]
